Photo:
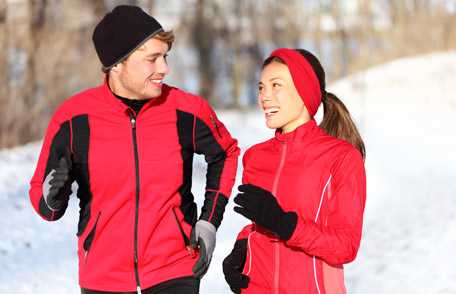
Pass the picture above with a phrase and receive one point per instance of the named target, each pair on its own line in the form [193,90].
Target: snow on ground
[406,111]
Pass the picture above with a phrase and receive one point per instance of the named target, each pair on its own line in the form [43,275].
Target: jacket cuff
[295,238]
[214,207]
[288,225]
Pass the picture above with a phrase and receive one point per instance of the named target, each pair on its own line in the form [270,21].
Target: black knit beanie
[121,32]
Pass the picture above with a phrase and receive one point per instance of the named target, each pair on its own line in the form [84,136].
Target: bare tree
[3,73]
[203,34]
[19,80]
[341,39]
[46,53]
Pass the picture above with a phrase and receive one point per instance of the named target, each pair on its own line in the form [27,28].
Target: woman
[304,189]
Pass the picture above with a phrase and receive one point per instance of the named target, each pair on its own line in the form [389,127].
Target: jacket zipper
[132,116]
[214,123]
[277,242]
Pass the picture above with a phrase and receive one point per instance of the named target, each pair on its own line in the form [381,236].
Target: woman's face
[279,99]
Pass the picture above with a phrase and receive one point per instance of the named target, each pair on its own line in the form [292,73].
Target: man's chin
[152,94]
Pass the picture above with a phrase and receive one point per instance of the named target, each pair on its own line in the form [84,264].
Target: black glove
[57,185]
[261,207]
[233,265]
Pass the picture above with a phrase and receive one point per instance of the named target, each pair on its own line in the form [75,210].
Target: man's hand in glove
[203,236]
[262,207]
[57,185]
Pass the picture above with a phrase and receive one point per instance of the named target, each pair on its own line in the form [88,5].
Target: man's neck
[134,104]
[118,91]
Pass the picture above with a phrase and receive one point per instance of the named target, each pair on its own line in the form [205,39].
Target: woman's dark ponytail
[337,122]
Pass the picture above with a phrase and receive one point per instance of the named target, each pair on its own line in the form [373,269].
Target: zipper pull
[191,251]
[138,290]
[132,116]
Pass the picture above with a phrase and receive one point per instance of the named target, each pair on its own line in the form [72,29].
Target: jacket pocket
[89,239]
[84,216]
[248,257]
[215,125]
[185,238]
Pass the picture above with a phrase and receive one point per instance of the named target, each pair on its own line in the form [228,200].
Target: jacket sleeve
[248,229]
[336,240]
[56,141]
[221,152]
[245,232]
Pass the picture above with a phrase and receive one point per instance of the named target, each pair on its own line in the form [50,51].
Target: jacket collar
[119,105]
[110,98]
[299,134]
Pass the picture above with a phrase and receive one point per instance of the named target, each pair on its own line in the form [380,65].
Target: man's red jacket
[134,176]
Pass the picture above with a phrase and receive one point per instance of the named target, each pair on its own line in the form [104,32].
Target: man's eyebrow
[155,54]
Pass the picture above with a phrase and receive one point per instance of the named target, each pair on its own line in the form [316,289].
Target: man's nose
[162,67]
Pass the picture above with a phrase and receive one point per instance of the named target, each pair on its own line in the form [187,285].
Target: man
[129,145]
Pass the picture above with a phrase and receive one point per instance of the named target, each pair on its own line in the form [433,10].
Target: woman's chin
[272,125]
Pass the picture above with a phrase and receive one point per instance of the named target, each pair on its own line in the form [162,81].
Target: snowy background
[406,111]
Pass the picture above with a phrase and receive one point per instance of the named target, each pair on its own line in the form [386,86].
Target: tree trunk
[202,36]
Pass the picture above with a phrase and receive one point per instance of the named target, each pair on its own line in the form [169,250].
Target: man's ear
[117,68]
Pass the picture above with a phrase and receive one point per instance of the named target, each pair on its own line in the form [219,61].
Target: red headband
[304,77]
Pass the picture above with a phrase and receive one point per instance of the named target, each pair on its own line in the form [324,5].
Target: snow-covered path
[408,121]
[407,114]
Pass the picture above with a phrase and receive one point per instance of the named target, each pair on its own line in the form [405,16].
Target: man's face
[141,75]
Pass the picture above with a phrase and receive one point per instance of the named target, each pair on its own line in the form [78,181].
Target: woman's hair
[336,121]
